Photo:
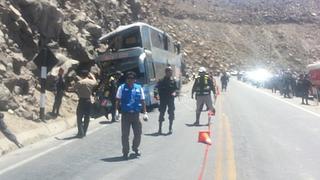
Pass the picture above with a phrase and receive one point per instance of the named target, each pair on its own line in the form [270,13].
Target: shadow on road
[106,122]
[156,134]
[67,138]
[119,158]
[153,134]
[193,125]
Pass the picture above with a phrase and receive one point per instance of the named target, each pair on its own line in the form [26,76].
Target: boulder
[3,69]
[18,62]
[80,19]
[94,29]
[2,39]
[44,16]
[5,97]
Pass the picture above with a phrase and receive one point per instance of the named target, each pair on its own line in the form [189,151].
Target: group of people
[128,98]
[290,85]
[124,95]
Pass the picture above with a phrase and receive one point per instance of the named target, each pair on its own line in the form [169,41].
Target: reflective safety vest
[131,98]
[202,86]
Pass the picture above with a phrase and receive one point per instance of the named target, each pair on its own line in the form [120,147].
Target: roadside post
[45,61]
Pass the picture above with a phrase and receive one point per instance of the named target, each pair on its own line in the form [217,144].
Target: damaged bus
[143,49]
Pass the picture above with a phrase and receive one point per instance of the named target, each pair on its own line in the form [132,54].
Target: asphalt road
[256,136]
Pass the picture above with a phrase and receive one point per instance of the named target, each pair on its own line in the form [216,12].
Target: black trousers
[164,103]
[224,86]
[305,96]
[112,110]
[83,115]
[130,120]
[57,103]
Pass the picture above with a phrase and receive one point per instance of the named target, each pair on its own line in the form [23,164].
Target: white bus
[143,49]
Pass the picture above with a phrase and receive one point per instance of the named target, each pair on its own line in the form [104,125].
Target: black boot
[170,127]
[160,127]
[197,119]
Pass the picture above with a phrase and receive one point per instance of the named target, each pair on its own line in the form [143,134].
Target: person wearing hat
[130,97]
[202,87]
[4,129]
[84,88]
[166,90]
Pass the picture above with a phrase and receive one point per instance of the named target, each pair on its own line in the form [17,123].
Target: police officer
[60,87]
[203,86]
[306,86]
[224,81]
[84,88]
[131,98]
[166,90]
[110,92]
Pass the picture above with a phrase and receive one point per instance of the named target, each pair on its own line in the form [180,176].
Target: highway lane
[271,139]
[255,136]
[98,156]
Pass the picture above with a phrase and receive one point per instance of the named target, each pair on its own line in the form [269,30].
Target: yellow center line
[224,147]
[231,163]
[219,143]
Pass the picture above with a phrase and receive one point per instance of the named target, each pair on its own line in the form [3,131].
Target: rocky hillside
[235,34]
[220,34]
[71,29]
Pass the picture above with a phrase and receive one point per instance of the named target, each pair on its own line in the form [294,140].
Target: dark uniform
[224,82]
[60,87]
[306,85]
[110,92]
[166,89]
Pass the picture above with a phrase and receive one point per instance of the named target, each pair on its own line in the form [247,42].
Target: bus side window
[156,39]
[145,35]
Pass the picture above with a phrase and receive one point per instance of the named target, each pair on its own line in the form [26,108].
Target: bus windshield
[125,39]
[124,65]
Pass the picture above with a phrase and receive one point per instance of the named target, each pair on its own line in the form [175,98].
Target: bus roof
[122,28]
[313,66]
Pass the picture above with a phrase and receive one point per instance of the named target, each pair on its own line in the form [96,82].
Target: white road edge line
[42,153]
[291,104]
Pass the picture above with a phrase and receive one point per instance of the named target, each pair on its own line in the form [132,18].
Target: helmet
[202,69]
[169,68]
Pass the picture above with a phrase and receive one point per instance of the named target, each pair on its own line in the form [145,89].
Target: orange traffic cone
[204,137]
[210,114]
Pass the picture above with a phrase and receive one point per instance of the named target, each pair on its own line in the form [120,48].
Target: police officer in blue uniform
[130,97]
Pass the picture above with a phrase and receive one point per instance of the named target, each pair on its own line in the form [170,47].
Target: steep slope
[234,34]
[219,34]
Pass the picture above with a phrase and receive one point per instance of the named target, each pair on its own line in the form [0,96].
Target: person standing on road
[224,81]
[166,90]
[130,97]
[84,88]
[110,91]
[203,86]
[305,87]
[4,129]
[59,89]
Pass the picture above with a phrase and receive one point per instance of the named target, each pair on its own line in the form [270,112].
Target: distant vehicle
[143,49]
[234,73]
[314,75]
